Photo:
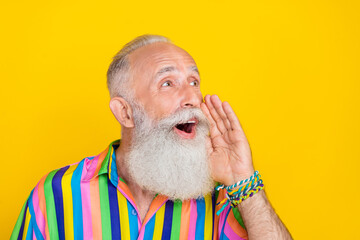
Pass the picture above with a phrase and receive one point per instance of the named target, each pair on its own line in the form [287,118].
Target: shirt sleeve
[229,223]
[232,227]
[24,228]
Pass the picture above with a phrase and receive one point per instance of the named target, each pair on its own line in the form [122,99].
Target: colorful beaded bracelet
[238,183]
[236,196]
[243,191]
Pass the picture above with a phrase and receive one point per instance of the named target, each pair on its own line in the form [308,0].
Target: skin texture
[177,86]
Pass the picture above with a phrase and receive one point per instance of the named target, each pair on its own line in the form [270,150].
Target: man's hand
[231,161]
[229,150]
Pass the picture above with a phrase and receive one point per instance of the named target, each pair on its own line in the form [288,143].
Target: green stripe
[105,163]
[238,217]
[50,206]
[176,220]
[105,207]
[18,223]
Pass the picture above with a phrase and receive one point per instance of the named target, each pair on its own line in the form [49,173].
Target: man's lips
[187,130]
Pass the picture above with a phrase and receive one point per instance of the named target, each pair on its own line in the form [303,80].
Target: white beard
[162,162]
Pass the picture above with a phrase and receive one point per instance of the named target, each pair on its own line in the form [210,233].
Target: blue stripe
[38,234]
[114,176]
[77,203]
[58,199]
[114,212]
[213,198]
[200,221]
[21,232]
[149,229]
[133,221]
[167,220]
[224,237]
[29,233]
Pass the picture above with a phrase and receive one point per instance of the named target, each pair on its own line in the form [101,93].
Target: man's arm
[231,161]
[260,219]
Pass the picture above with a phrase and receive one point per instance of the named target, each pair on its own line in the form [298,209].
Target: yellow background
[290,69]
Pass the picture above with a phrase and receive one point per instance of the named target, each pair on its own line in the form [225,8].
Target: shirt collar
[102,164]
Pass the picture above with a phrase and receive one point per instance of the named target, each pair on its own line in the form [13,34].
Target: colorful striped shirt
[88,200]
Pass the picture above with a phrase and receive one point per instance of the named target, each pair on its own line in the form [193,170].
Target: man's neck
[143,198]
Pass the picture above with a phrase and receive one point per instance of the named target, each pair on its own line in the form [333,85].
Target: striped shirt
[88,200]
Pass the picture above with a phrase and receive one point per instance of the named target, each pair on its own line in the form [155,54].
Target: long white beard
[162,162]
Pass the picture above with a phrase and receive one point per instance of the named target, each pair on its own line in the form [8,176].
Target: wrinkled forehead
[148,60]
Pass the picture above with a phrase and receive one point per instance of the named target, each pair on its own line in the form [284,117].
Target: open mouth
[187,129]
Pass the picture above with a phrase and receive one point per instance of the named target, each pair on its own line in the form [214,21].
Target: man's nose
[191,97]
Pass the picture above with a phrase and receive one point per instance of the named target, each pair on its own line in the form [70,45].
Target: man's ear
[122,111]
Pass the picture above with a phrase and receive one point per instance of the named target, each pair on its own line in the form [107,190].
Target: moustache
[182,116]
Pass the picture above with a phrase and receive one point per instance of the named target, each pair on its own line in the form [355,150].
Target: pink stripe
[193,216]
[229,232]
[86,207]
[141,235]
[40,220]
[222,219]
[90,165]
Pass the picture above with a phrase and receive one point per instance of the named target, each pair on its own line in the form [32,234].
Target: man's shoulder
[59,175]
[61,179]
[70,176]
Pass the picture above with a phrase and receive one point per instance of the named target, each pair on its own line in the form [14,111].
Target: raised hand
[228,148]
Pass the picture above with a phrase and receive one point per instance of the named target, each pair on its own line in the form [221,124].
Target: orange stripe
[155,205]
[235,226]
[185,220]
[100,161]
[42,204]
[126,190]
[95,209]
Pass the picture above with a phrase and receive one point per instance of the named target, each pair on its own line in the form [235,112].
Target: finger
[214,131]
[234,121]
[219,109]
[219,122]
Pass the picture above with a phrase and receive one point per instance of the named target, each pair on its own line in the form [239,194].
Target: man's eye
[194,83]
[166,84]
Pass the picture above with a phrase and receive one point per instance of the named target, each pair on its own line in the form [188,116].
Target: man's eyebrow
[164,70]
[172,69]
[195,69]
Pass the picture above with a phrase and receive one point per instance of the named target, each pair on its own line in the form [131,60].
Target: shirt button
[133,212]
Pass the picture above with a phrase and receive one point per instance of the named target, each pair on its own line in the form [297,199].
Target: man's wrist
[242,176]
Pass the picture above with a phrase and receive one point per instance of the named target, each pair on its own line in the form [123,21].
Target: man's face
[168,153]
[165,79]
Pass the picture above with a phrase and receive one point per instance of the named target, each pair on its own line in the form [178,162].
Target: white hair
[162,162]
[118,72]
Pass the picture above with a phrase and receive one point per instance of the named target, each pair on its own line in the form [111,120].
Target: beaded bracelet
[246,187]
[231,197]
[238,183]
[236,196]
[235,202]
[242,195]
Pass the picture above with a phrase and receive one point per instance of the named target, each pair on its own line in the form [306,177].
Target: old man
[182,169]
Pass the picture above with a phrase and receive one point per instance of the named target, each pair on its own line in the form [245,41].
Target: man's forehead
[161,54]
